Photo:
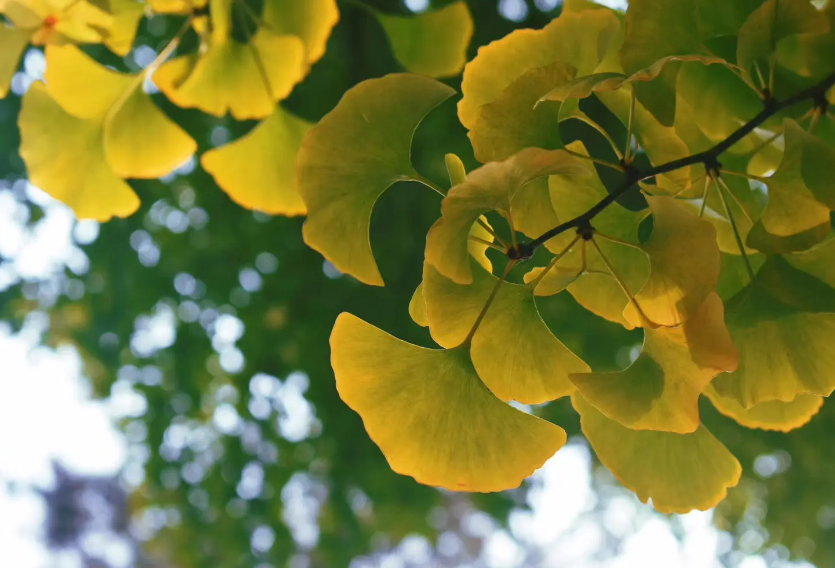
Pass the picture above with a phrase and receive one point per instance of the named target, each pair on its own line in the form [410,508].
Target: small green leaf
[355,153]
[12,43]
[430,414]
[678,472]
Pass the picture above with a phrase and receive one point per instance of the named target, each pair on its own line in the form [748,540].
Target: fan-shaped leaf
[433,43]
[59,21]
[488,188]
[126,17]
[355,153]
[311,21]
[430,414]
[258,171]
[782,324]
[679,472]
[771,415]
[660,390]
[513,351]
[65,157]
[12,43]
[684,265]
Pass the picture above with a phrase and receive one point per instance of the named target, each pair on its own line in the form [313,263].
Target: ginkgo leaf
[809,54]
[533,212]
[513,121]
[417,307]
[355,153]
[311,21]
[660,390]
[684,265]
[12,43]
[59,21]
[126,16]
[794,219]
[244,79]
[488,188]
[65,157]
[767,25]
[679,472]
[433,43]
[771,415]
[596,289]
[176,6]
[258,171]
[782,324]
[431,416]
[513,351]
[580,39]
[140,141]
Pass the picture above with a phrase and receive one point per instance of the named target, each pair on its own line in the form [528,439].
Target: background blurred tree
[220,317]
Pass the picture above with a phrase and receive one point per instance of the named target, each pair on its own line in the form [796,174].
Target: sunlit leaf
[432,43]
[533,213]
[782,325]
[311,21]
[258,171]
[126,16]
[355,153]
[140,141]
[684,265]
[794,219]
[176,6]
[513,351]
[65,157]
[579,39]
[430,414]
[767,25]
[245,79]
[488,188]
[679,472]
[417,307]
[12,43]
[513,121]
[771,415]
[660,390]
[59,21]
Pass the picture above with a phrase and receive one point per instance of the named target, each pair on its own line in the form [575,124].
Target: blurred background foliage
[216,319]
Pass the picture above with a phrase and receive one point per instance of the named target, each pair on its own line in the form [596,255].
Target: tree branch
[710,159]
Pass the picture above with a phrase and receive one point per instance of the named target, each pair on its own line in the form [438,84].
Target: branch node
[585,230]
[713,166]
[522,251]
[821,103]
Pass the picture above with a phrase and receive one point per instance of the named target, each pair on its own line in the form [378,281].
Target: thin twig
[489,301]
[627,157]
[720,185]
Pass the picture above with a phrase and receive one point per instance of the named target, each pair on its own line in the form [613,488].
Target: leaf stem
[612,165]
[535,282]
[709,157]
[743,175]
[486,243]
[705,195]
[720,185]
[627,158]
[428,183]
[489,301]
[616,240]
[620,282]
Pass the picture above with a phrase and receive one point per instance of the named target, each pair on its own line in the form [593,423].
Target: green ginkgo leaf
[431,416]
[513,351]
[258,171]
[12,43]
[355,153]
[810,54]
[782,324]
[533,212]
[679,472]
[140,141]
[514,121]
[580,39]
[433,43]
[660,390]
[65,157]
[488,188]
[773,21]
[684,265]
[771,415]
[794,219]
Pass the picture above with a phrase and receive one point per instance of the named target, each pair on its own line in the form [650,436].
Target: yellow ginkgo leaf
[259,170]
[771,415]
[488,188]
[126,17]
[311,21]
[12,43]
[356,152]
[794,219]
[245,79]
[176,6]
[660,390]
[580,39]
[533,212]
[59,21]
[65,157]
[417,307]
[140,141]
[513,351]
[781,323]
[433,43]
[431,416]
[513,121]
[679,472]
[684,265]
